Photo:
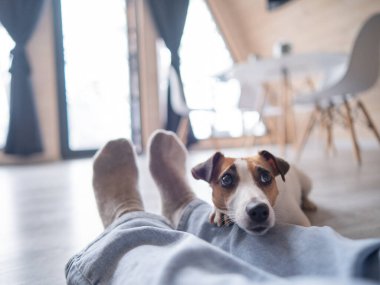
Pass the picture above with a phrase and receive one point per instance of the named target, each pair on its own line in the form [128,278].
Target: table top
[273,68]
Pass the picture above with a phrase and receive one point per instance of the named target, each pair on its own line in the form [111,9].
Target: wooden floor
[48,213]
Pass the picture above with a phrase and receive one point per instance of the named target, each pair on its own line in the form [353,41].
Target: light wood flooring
[48,213]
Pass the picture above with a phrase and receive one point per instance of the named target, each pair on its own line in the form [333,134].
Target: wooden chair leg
[271,123]
[309,127]
[353,133]
[183,129]
[370,123]
[329,127]
[281,135]
[291,123]
[286,113]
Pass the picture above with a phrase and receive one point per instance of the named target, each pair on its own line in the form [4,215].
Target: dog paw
[219,219]
[308,205]
[216,218]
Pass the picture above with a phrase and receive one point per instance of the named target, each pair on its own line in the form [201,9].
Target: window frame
[66,151]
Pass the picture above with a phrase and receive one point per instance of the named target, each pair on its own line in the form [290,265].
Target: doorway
[93,74]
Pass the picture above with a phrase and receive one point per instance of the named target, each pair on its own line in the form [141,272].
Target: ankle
[124,208]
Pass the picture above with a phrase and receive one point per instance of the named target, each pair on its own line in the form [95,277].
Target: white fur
[287,205]
[247,192]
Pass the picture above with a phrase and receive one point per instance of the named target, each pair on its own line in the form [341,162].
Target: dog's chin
[253,228]
[258,230]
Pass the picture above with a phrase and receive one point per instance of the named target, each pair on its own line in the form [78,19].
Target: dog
[255,191]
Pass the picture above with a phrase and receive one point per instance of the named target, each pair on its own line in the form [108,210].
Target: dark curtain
[19,18]
[169,17]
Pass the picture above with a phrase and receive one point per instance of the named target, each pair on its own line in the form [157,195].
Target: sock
[115,180]
[167,164]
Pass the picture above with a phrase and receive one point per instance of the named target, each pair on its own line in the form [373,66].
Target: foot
[167,164]
[115,179]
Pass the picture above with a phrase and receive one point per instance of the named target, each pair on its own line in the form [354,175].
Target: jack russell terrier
[255,191]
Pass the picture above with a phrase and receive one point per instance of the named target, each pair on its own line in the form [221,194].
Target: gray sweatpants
[142,248]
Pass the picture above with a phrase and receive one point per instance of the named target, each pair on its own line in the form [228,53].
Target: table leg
[286,86]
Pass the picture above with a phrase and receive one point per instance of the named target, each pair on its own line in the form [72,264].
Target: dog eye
[227,180]
[265,178]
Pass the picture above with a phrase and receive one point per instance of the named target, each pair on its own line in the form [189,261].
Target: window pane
[96,71]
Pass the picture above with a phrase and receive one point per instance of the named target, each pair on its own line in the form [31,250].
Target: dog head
[244,189]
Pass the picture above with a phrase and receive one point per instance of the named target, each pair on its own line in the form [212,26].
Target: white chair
[179,105]
[255,97]
[180,108]
[361,74]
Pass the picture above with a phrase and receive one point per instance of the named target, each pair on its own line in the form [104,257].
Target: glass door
[93,74]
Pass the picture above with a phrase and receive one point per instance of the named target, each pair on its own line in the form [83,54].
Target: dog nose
[258,213]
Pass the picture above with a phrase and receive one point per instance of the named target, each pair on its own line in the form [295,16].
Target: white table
[268,69]
[265,70]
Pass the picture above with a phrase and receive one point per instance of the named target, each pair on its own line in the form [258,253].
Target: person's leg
[167,164]
[115,179]
[142,248]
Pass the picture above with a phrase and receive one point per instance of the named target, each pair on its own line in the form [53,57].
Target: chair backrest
[177,99]
[250,97]
[363,68]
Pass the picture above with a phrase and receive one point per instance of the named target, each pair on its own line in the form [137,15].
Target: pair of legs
[115,178]
[141,248]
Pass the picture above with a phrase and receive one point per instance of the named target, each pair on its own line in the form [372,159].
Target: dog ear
[205,169]
[279,166]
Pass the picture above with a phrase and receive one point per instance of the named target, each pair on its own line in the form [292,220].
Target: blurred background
[296,77]
[105,73]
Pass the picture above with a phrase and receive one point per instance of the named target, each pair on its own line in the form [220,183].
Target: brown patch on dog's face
[277,165]
[217,170]
[261,170]
[221,189]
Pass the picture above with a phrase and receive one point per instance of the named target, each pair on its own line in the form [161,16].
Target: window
[204,56]
[5,62]
[95,76]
